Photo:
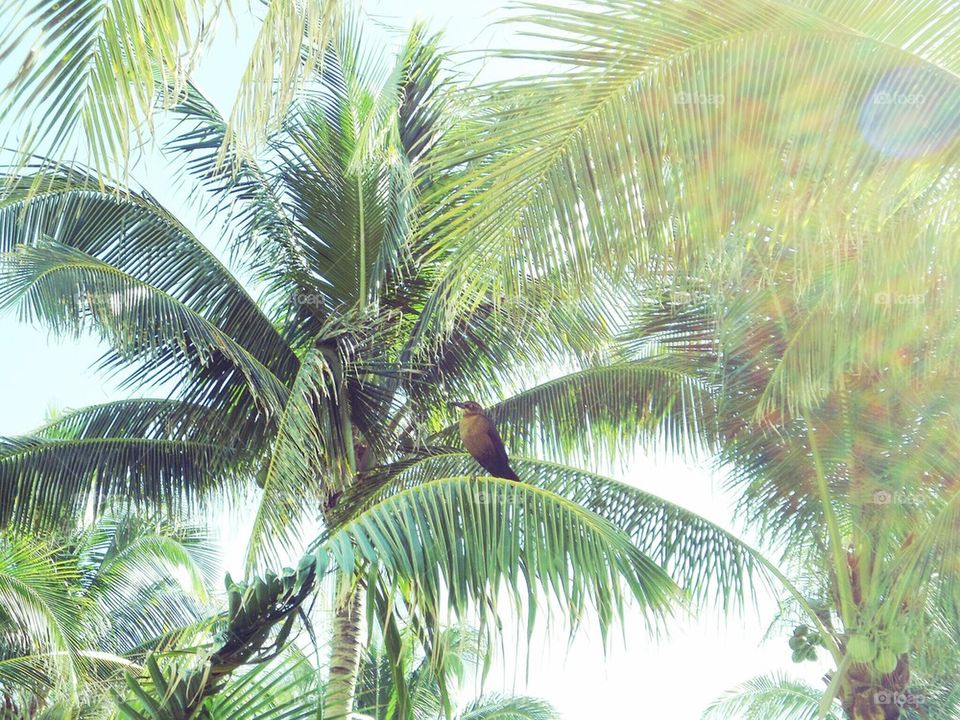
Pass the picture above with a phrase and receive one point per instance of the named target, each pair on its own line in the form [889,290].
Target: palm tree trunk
[344,653]
[866,698]
[872,706]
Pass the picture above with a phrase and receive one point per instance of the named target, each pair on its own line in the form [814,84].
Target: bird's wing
[483,446]
[480,437]
[498,464]
[499,452]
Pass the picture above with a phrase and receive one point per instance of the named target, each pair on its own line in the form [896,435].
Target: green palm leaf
[71,290]
[497,707]
[243,189]
[706,561]
[80,613]
[27,672]
[659,126]
[69,86]
[603,412]
[334,183]
[772,697]
[32,583]
[69,81]
[290,46]
[455,542]
[927,562]
[133,232]
[285,689]
[158,418]
[147,451]
[311,456]
[349,183]
[45,482]
[149,579]
[143,243]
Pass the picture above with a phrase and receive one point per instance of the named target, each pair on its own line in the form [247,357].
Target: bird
[481,439]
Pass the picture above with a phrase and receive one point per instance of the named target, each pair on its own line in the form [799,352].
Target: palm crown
[331,390]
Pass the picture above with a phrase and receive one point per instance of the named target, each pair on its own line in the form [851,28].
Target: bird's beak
[458,405]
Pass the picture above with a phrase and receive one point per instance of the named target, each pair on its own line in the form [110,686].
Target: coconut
[886,661]
[861,648]
[898,641]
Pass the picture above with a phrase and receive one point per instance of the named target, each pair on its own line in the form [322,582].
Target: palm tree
[855,485]
[722,186]
[79,613]
[332,388]
[67,88]
[787,171]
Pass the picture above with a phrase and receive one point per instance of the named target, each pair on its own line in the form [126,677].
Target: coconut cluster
[804,643]
[879,649]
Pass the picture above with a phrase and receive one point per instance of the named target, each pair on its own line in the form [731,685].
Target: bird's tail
[509,474]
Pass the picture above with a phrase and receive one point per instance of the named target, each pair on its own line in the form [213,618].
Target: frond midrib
[47,443]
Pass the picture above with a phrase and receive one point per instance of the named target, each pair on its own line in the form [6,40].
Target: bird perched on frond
[481,439]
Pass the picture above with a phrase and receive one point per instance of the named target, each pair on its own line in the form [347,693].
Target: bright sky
[671,679]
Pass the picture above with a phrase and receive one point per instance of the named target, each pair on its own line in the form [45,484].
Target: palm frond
[771,697]
[48,481]
[500,707]
[68,87]
[285,689]
[290,46]
[607,411]
[705,561]
[927,562]
[72,291]
[148,579]
[28,672]
[312,454]
[457,542]
[425,93]
[242,188]
[143,418]
[132,233]
[32,582]
[349,194]
[655,127]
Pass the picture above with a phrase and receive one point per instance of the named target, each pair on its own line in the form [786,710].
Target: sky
[673,678]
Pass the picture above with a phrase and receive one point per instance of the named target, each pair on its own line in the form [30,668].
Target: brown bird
[481,439]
